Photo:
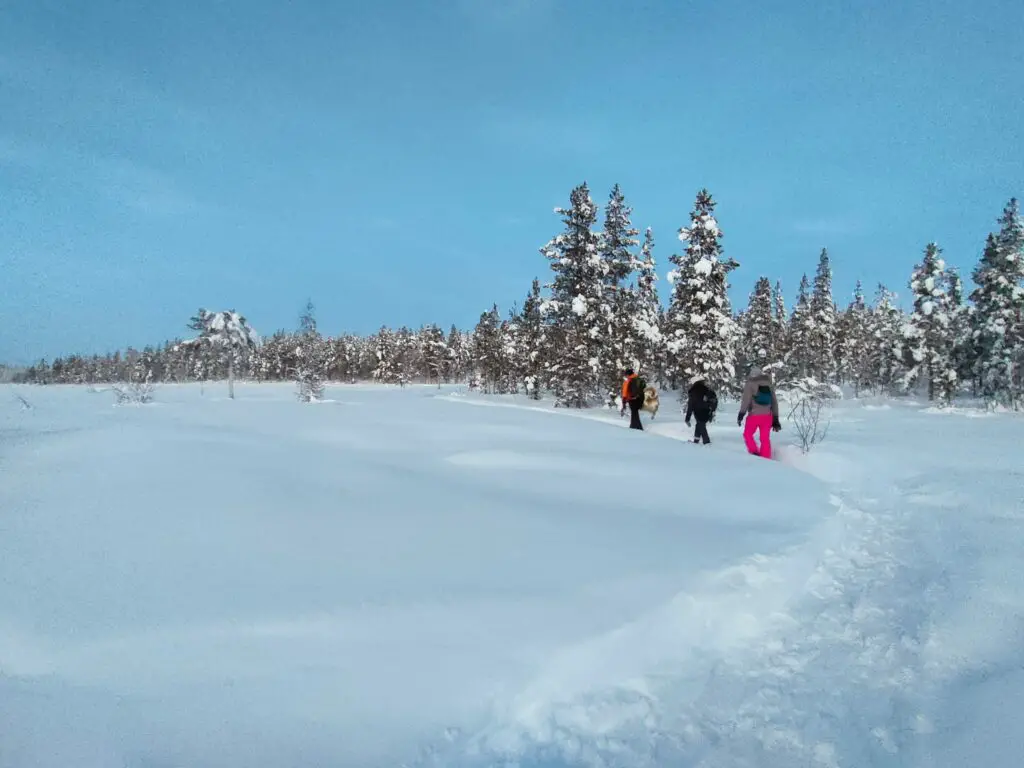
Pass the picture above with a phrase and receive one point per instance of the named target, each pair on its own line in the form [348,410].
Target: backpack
[636,388]
[763,395]
[711,401]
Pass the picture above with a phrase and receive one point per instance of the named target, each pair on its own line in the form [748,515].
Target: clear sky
[398,162]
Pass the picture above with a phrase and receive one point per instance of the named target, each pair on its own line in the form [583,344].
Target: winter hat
[695,379]
[628,371]
[755,371]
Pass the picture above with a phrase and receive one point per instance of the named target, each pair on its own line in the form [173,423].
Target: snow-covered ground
[424,578]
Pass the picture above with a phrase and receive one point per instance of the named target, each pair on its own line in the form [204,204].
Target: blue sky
[398,162]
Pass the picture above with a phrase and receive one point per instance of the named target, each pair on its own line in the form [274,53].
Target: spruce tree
[964,353]
[434,354]
[855,344]
[311,358]
[781,330]
[702,332]
[822,329]
[645,320]
[886,366]
[929,349]
[458,355]
[758,338]
[577,311]
[489,361]
[616,244]
[531,341]
[800,362]
[999,308]
[385,368]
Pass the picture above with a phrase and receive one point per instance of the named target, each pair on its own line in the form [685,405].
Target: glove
[687,422]
[776,427]
[739,420]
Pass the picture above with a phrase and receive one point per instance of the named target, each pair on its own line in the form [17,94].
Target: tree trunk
[231,379]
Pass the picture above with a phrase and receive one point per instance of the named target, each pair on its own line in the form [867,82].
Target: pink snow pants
[762,423]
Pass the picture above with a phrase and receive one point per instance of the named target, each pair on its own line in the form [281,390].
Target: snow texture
[423,578]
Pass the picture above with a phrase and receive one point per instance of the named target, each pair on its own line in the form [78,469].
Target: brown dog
[650,401]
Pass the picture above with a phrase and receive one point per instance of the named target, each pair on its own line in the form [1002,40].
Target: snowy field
[423,578]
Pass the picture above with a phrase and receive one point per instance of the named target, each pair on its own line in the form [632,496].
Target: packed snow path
[395,577]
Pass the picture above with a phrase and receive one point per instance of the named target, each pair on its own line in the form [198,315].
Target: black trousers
[634,415]
[700,432]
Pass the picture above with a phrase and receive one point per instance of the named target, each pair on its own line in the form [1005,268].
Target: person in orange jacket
[633,395]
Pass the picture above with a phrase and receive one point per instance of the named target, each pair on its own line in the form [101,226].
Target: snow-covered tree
[930,344]
[435,354]
[854,333]
[531,341]
[999,311]
[615,247]
[458,355]
[885,357]
[960,328]
[311,358]
[229,335]
[758,332]
[781,325]
[647,341]
[701,329]
[386,368]
[490,358]
[822,328]
[406,356]
[800,360]
[577,313]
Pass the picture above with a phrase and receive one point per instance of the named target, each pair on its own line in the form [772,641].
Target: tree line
[601,312]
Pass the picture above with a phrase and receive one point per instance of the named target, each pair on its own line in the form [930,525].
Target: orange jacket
[625,387]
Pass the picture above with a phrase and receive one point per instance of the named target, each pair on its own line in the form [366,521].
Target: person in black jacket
[701,404]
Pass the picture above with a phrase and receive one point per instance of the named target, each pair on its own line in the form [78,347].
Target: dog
[650,401]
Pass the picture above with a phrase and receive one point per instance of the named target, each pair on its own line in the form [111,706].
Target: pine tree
[822,330]
[964,353]
[577,308]
[489,359]
[999,311]
[406,357]
[758,340]
[615,245]
[531,341]
[800,362]
[886,367]
[229,336]
[385,369]
[702,332]
[855,345]
[434,353]
[311,358]
[781,330]
[646,344]
[929,352]
[458,355]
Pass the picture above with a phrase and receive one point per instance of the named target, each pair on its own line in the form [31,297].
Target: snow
[424,578]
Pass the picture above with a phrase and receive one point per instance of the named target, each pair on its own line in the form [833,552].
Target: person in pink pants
[761,410]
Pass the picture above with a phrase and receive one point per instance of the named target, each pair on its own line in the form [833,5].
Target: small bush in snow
[134,392]
[811,409]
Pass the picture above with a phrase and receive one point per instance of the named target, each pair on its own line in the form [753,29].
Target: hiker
[633,394]
[701,404]
[761,409]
